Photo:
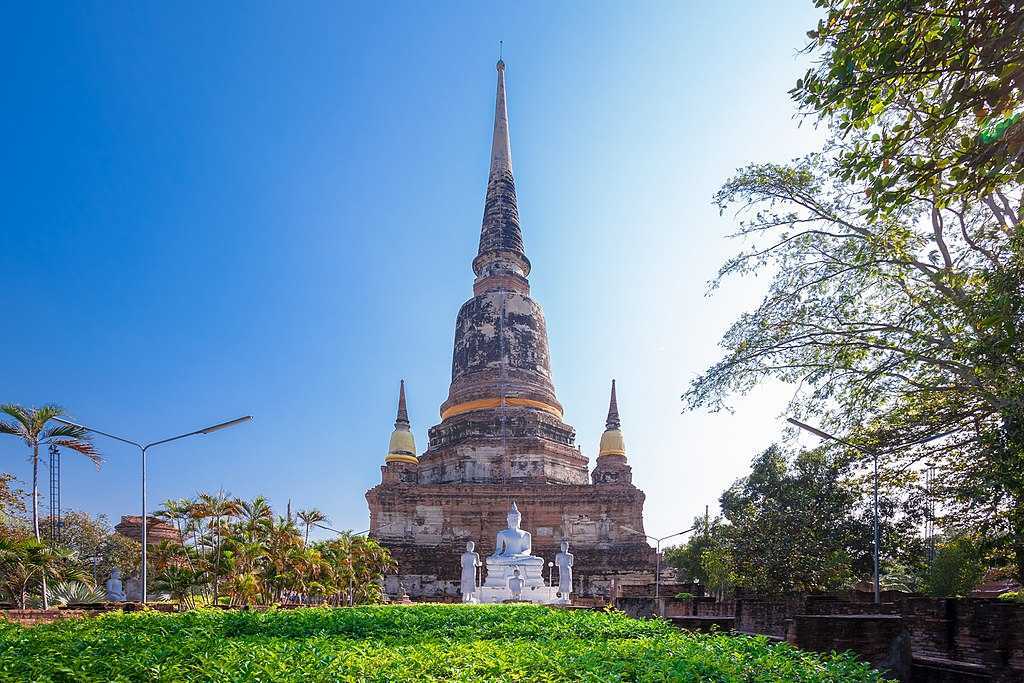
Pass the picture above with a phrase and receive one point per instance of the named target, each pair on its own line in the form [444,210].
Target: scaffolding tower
[55,519]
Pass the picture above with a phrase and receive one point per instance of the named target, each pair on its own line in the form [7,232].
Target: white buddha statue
[512,550]
[115,591]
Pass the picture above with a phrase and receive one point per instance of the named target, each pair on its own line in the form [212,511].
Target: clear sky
[216,209]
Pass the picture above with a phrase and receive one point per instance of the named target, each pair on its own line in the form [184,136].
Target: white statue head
[565,545]
[470,545]
[514,518]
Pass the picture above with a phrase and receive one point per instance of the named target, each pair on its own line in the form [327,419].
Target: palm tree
[29,425]
[311,517]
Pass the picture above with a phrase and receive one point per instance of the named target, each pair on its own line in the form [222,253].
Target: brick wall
[32,617]
[879,639]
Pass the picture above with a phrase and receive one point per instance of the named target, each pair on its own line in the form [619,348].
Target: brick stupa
[502,437]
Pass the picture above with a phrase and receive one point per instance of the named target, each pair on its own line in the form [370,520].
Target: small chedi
[502,438]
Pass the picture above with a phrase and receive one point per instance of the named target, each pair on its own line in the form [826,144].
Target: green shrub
[1013,596]
[421,643]
[685,597]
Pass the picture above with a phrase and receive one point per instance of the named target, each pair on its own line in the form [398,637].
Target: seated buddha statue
[512,550]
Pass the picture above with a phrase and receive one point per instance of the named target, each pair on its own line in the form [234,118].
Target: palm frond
[22,415]
[14,429]
[79,446]
[69,431]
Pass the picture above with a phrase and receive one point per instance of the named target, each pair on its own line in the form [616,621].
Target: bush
[685,597]
[1013,596]
[421,643]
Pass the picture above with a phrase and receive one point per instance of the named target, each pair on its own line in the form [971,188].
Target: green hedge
[422,643]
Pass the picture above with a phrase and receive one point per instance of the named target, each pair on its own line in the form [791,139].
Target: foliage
[902,335]
[311,518]
[97,546]
[76,592]
[26,563]
[29,425]
[684,596]
[686,558]
[12,503]
[238,551]
[958,567]
[1013,596]
[422,643]
[897,255]
[719,568]
[791,524]
[925,97]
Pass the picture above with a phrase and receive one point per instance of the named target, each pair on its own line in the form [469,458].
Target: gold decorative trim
[513,402]
[400,457]
[612,451]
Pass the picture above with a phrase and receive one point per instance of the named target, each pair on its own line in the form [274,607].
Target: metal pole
[145,535]
[878,599]
[657,571]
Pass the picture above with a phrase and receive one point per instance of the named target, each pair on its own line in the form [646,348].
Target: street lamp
[143,448]
[874,458]
[657,573]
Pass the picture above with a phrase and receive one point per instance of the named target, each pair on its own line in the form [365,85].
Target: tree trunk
[35,491]
[35,513]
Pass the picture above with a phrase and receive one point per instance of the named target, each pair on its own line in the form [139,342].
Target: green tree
[26,564]
[686,557]
[958,567]
[29,425]
[717,565]
[97,547]
[903,335]
[792,524]
[311,518]
[926,98]
[896,256]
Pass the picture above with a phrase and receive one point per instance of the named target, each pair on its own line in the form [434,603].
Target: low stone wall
[703,624]
[881,640]
[951,639]
[33,617]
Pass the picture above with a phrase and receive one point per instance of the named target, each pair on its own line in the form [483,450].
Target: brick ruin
[502,438]
[157,530]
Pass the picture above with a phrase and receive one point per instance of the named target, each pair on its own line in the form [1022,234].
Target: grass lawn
[398,643]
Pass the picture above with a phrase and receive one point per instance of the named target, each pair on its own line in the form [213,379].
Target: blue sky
[217,210]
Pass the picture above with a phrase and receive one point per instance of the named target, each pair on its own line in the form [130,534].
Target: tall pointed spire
[613,412]
[402,447]
[403,414]
[500,231]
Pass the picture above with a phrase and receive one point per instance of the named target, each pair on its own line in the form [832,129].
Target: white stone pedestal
[541,595]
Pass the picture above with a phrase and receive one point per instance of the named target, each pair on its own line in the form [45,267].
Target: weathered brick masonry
[502,437]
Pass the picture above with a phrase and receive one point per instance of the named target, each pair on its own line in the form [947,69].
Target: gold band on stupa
[488,403]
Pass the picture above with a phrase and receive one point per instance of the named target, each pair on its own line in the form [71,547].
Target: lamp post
[874,459]
[550,571]
[143,448]
[657,541]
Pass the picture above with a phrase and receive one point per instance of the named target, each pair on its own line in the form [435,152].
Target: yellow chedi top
[612,442]
[402,447]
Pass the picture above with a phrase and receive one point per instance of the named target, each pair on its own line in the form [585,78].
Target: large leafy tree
[927,97]
[903,334]
[792,524]
[896,256]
